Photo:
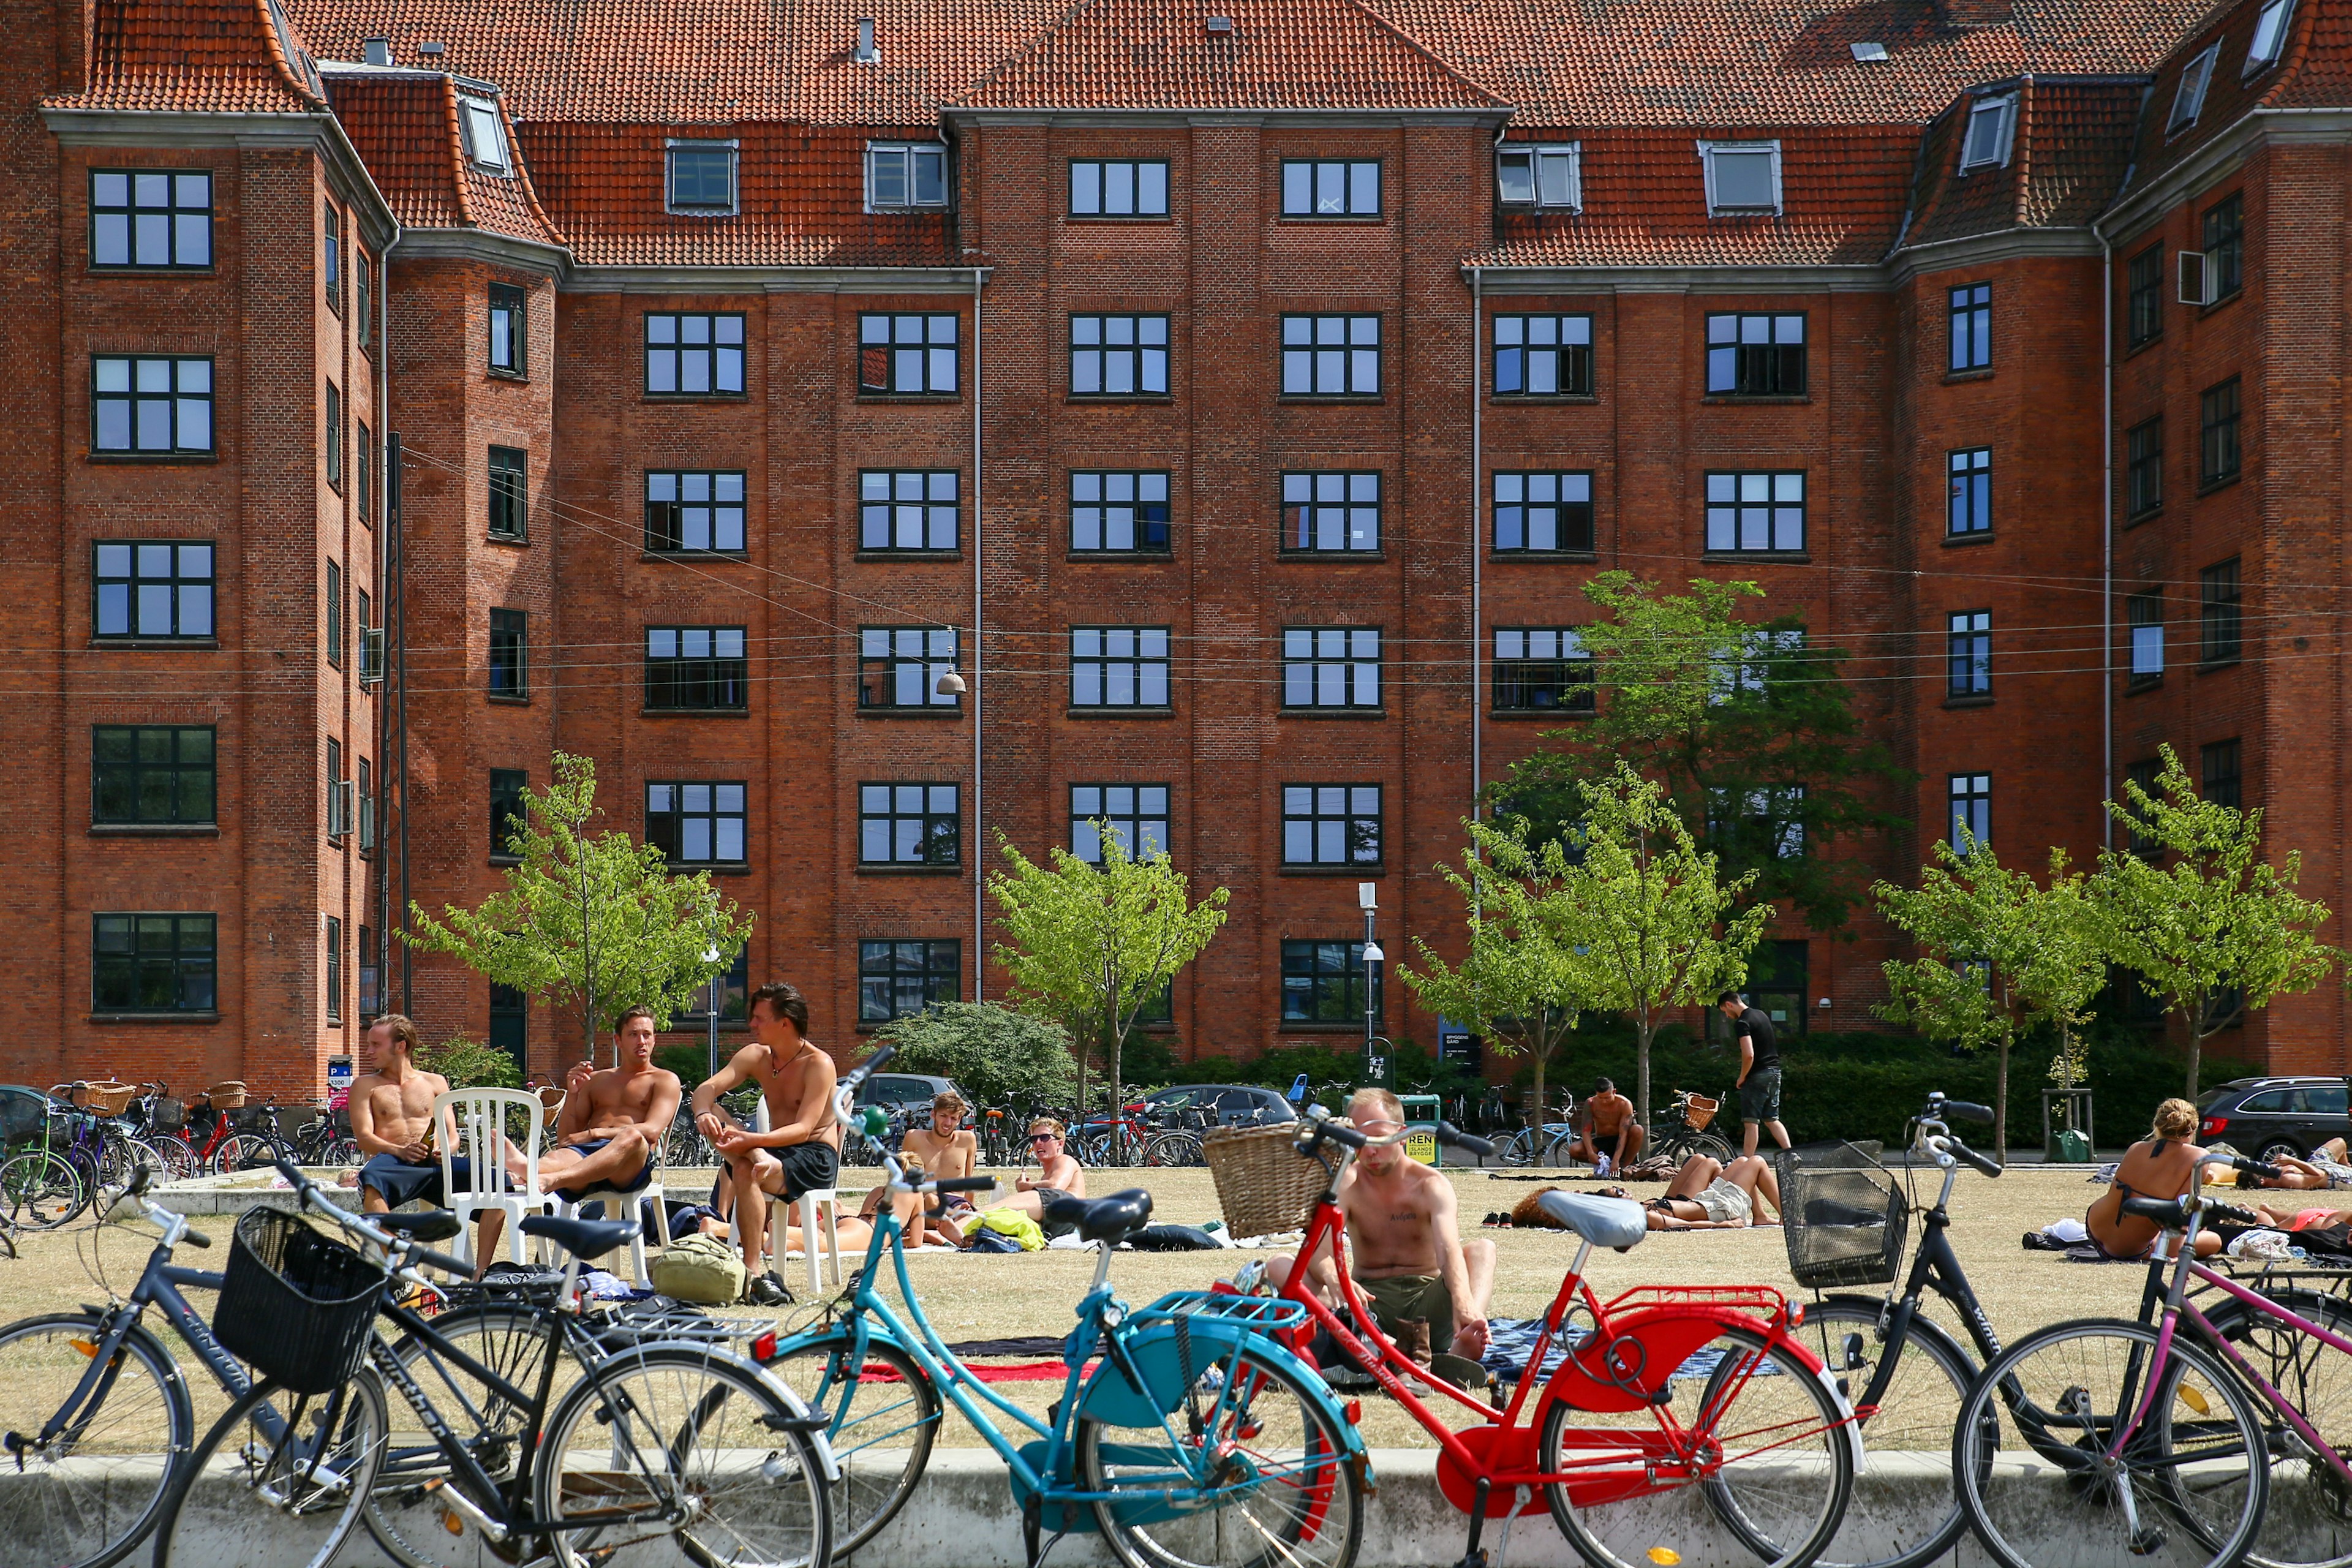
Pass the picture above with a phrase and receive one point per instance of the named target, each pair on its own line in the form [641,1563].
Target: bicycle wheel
[2029,1456]
[1174,1149]
[1708,1145]
[1905,1512]
[692,1443]
[87,1496]
[2308,1523]
[1250,1471]
[1746,1459]
[280,1478]
[882,1430]
[40,1190]
[406,1520]
[178,1161]
[1521,1148]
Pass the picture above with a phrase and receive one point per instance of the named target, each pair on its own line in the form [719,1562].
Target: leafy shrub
[994,1053]
[469,1064]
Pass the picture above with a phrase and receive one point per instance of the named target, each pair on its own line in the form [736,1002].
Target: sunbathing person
[2163,1166]
[853,1233]
[2327,1167]
[1707,1194]
[1058,1176]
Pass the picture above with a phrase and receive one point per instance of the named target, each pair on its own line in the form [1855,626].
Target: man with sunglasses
[1058,1176]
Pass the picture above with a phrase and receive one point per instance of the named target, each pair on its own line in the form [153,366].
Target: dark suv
[2268,1116]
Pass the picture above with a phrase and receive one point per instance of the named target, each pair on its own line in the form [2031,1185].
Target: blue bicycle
[1198,1439]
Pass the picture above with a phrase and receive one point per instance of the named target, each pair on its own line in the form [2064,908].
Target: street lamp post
[1376,1065]
[717,988]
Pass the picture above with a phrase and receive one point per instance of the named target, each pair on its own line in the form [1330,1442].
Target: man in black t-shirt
[1760,1071]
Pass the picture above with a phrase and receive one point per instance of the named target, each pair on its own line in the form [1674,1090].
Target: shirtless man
[392,1113]
[800,1153]
[1409,1258]
[1612,1139]
[1058,1176]
[612,1121]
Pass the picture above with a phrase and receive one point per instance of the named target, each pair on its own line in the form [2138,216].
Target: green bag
[699,1268]
[2073,1149]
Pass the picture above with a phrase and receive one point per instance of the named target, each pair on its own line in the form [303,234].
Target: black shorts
[636,1184]
[1053,1230]
[808,1168]
[397,1182]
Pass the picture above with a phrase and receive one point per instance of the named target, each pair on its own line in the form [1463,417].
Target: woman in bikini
[2164,1166]
[1707,1194]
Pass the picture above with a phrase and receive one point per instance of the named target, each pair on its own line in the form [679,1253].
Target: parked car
[898,1091]
[2270,1116]
[1229,1104]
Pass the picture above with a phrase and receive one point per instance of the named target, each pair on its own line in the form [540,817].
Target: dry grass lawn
[972,1297]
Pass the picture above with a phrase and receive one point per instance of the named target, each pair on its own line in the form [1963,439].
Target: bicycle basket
[106,1098]
[1843,1217]
[1699,1111]
[261,1119]
[1264,1185]
[229,1095]
[295,1303]
[169,1115]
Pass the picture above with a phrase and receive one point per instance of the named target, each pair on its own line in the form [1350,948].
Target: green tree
[991,1051]
[1997,952]
[600,921]
[1646,914]
[1090,947]
[1748,726]
[2218,933]
[469,1064]
[1516,987]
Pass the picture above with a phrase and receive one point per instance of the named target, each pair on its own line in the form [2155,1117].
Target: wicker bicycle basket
[106,1098]
[297,1304]
[1264,1185]
[1845,1218]
[1700,1111]
[229,1095]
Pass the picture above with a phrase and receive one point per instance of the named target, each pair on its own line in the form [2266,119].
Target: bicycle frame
[1934,1266]
[158,1286]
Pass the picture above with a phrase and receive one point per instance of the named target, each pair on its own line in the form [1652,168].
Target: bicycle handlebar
[1968,1111]
[1449,1133]
[1970,1157]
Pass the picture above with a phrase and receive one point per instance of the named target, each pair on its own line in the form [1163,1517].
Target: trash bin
[1420,1116]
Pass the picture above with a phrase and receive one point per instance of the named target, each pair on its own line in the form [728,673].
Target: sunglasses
[1045,1137]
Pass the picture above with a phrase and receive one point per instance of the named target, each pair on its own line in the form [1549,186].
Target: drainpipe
[2106,535]
[979,837]
[1478,552]
[381,323]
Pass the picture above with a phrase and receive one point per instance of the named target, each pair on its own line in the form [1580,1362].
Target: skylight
[1990,123]
[1741,177]
[2190,101]
[1539,176]
[2270,35]
[485,142]
[1868,52]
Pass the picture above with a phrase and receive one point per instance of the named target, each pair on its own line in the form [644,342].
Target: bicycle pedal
[1475,1560]
[2146,1542]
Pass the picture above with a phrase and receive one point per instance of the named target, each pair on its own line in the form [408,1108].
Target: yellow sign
[1422,1145]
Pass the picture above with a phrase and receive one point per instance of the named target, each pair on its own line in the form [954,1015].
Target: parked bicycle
[1536,1140]
[1197,1438]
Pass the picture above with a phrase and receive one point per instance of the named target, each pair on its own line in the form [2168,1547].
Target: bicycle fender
[1112,1399]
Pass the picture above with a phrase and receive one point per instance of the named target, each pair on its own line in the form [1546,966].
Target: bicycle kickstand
[1476,1556]
[1031,1517]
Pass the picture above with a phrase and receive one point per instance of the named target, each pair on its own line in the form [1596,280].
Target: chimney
[866,53]
[377,51]
[1965,16]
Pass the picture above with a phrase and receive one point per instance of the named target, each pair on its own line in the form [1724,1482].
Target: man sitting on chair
[612,1121]
[801,1151]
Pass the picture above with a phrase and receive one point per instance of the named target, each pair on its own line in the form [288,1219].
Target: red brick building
[1233,397]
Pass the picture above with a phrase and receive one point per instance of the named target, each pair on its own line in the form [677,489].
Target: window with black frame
[908,510]
[1330,824]
[1970,822]
[151,217]
[694,511]
[1969,654]
[1118,356]
[509,653]
[908,354]
[2144,613]
[1971,319]
[152,774]
[1332,514]
[1543,513]
[1135,815]
[695,669]
[511,1023]
[701,178]
[1119,667]
[1542,669]
[508,814]
[1118,188]
[1331,667]
[334,966]
[2225,247]
[2220,452]
[2143,467]
[1755,512]
[1766,822]
[334,595]
[1543,356]
[1323,983]
[1968,502]
[2224,772]
[734,992]
[1754,355]
[156,406]
[696,822]
[1777,984]
[694,355]
[509,510]
[334,436]
[2144,296]
[901,668]
[1330,356]
[151,589]
[899,979]
[510,332]
[1119,511]
[1331,187]
[154,964]
[909,824]
[2223,613]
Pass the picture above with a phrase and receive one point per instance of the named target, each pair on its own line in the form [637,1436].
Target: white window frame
[1706,151]
[1535,152]
[2196,81]
[2003,105]
[2278,16]
[479,117]
[733,149]
[947,183]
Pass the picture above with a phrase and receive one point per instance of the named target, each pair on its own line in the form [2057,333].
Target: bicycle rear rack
[1757,1298]
[1265,1314]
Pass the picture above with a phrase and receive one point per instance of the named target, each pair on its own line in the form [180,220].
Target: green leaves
[601,921]
[990,1050]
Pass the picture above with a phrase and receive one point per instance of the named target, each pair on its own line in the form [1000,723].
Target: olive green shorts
[1408,1298]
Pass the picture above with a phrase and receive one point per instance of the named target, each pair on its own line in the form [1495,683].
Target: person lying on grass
[1707,1194]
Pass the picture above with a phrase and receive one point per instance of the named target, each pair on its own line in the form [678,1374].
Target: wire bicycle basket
[296,1304]
[1844,1219]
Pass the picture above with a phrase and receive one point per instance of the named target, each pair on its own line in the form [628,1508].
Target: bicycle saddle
[1604,1222]
[583,1237]
[420,1225]
[1107,1220]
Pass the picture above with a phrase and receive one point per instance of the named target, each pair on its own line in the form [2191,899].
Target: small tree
[601,921]
[1997,953]
[990,1050]
[1090,947]
[469,1064]
[1646,913]
[1515,986]
[2218,933]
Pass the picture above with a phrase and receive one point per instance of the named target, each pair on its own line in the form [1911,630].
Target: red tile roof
[200,55]
[1273,54]
[404,125]
[2314,68]
[2069,147]
[1645,203]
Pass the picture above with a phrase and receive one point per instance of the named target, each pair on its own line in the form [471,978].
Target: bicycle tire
[241,1151]
[881,1432]
[1907,1440]
[402,1515]
[271,1505]
[1520,1149]
[1316,1520]
[95,1489]
[1174,1149]
[703,1413]
[1783,1512]
[2308,1520]
[41,1190]
[179,1161]
[2058,1389]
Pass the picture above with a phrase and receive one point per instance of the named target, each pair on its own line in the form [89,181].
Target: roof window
[1742,177]
[1540,176]
[376,51]
[1991,122]
[2270,35]
[2190,101]
[485,137]
[1868,53]
[701,178]
[899,176]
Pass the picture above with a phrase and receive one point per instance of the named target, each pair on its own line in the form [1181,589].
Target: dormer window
[1991,122]
[2190,101]
[2270,35]
[701,178]
[485,137]
[1742,177]
[900,175]
[1540,176]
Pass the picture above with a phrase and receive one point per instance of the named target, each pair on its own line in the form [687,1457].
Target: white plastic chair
[627,1203]
[480,1115]
[816,1200]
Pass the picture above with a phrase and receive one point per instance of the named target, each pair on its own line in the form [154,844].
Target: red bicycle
[1682,1424]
